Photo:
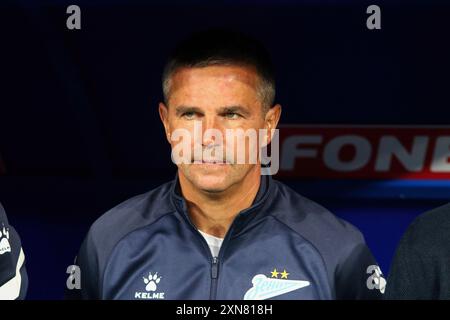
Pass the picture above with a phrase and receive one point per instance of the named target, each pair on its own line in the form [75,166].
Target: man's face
[220,98]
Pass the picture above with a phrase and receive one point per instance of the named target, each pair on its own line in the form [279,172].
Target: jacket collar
[246,217]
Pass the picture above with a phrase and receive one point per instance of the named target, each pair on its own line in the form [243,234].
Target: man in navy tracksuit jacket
[220,229]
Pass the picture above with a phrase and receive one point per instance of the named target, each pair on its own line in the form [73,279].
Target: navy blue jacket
[283,247]
[13,274]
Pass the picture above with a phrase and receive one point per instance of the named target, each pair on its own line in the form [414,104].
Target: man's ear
[271,120]
[164,115]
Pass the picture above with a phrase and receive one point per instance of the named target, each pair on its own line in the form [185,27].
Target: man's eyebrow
[234,109]
[185,109]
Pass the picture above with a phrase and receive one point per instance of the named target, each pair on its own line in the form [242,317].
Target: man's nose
[211,128]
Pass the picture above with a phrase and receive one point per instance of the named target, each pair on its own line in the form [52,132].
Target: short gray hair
[217,47]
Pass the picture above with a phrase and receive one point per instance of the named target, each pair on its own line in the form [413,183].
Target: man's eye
[232,115]
[188,115]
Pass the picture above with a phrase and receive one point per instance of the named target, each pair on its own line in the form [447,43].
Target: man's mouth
[217,162]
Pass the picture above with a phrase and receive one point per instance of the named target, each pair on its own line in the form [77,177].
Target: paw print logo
[4,240]
[152,281]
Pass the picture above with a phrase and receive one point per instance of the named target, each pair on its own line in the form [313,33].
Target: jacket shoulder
[108,230]
[430,232]
[315,222]
[341,245]
[132,214]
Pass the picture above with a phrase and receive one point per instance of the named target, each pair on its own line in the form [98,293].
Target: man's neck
[214,213]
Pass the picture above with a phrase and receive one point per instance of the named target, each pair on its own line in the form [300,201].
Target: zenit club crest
[265,287]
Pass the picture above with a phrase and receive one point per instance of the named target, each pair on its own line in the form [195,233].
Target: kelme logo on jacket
[151,285]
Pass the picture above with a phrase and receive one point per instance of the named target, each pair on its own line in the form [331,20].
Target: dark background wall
[79,130]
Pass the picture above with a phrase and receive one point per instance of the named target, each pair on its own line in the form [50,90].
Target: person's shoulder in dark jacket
[421,266]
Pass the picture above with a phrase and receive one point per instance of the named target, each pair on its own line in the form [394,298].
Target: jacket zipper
[215,260]
[214,276]
[214,263]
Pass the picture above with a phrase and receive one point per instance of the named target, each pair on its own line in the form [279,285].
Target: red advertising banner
[364,152]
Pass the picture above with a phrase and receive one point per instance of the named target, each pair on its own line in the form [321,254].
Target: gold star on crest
[284,274]
[274,273]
